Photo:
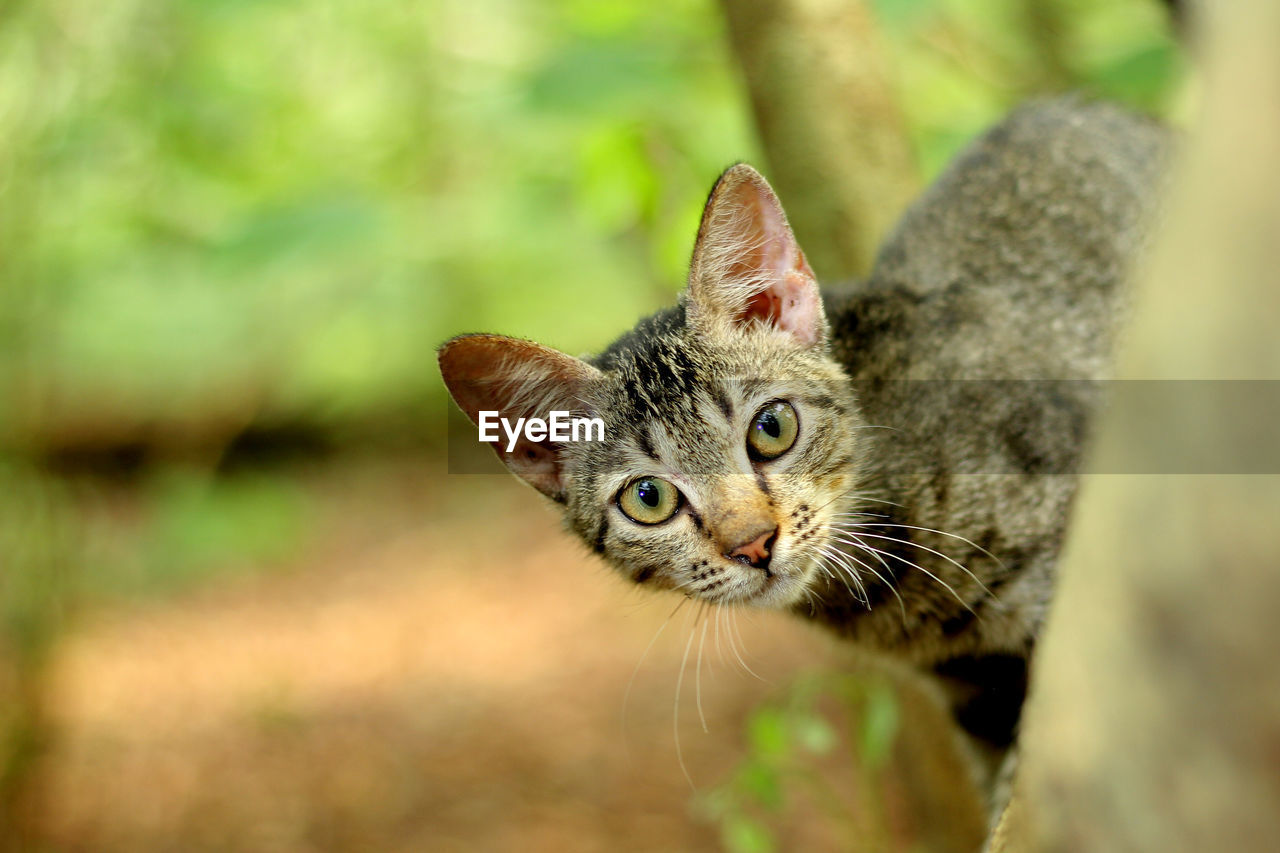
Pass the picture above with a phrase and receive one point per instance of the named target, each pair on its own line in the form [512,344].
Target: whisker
[734,629]
[675,713]
[968,542]
[631,682]
[719,650]
[731,640]
[839,496]
[886,566]
[902,605]
[854,494]
[893,556]
[911,544]
[843,558]
[809,596]
[847,572]
[821,561]
[697,681]
[846,556]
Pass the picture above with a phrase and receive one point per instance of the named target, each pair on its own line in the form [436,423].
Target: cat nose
[755,551]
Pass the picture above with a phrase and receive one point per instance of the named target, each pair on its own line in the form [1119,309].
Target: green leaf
[762,783]
[902,14]
[1141,77]
[741,834]
[768,733]
[879,725]
[814,734]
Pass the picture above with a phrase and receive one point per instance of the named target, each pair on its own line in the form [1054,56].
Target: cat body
[894,461]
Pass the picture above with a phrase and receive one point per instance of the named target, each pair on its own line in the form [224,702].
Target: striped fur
[921,509]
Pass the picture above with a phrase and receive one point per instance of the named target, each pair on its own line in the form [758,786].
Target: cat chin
[779,591]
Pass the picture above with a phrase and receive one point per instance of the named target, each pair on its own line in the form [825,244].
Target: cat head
[729,432]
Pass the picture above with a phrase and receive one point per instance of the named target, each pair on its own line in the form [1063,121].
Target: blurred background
[243,603]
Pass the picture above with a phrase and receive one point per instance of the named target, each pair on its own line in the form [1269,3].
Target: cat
[894,460]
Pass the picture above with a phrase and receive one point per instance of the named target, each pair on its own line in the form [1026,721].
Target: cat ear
[516,379]
[747,267]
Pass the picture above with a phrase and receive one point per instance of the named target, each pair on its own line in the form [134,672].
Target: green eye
[649,500]
[773,430]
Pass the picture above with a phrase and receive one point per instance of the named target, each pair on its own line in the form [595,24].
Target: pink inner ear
[801,307]
[787,305]
[765,306]
[747,267]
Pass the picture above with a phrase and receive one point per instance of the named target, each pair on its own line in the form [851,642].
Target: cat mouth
[779,587]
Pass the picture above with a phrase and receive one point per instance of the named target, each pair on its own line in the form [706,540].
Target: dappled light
[248,599]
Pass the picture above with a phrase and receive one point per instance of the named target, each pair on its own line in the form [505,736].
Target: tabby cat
[895,461]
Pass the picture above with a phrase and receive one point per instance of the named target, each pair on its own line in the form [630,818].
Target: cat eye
[649,500]
[773,430]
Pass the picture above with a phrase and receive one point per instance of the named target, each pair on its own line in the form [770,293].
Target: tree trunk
[1154,722]
[829,121]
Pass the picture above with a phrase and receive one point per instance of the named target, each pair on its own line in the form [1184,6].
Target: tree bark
[828,118]
[1154,722]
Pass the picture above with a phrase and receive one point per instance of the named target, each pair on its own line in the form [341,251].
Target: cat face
[724,462]
[730,435]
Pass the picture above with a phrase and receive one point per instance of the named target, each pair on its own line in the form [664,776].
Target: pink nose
[756,552]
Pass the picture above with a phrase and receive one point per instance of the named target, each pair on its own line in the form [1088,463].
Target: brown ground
[442,670]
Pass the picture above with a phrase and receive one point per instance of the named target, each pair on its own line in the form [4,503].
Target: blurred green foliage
[240,210]
[216,214]
[223,213]
[964,63]
[823,717]
[38,550]
[190,526]
[281,208]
